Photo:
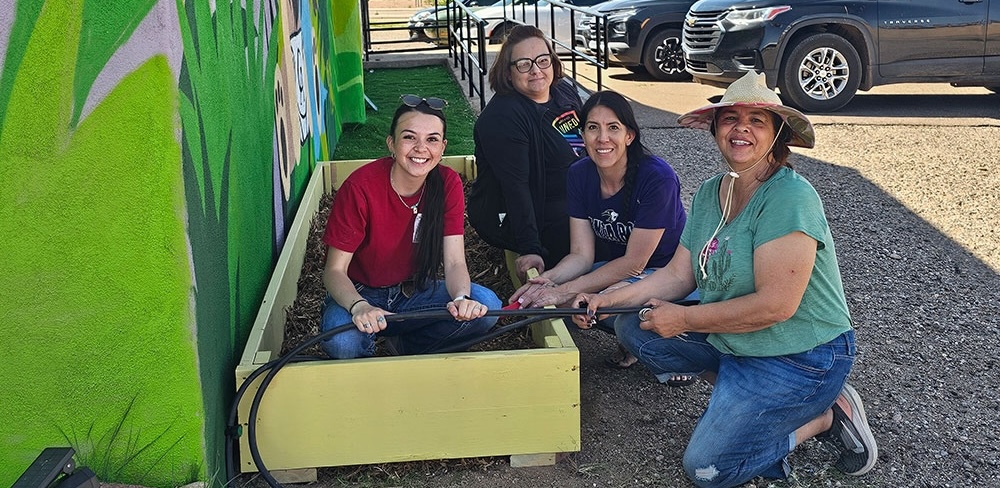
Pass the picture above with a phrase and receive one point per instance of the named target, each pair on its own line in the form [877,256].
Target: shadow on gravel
[925,106]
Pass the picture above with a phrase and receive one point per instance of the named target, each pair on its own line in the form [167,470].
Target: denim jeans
[413,336]
[757,403]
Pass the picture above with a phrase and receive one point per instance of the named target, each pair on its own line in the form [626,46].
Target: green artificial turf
[384,86]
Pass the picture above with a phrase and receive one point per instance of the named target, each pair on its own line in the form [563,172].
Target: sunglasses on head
[432,102]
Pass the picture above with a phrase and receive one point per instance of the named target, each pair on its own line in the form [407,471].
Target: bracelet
[460,298]
[350,309]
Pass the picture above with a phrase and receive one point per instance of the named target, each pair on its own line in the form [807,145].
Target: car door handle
[970,1]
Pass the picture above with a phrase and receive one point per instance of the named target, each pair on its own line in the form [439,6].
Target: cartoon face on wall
[292,110]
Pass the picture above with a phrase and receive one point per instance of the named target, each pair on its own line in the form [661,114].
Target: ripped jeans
[757,403]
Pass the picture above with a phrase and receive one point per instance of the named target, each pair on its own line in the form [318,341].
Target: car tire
[637,69]
[820,74]
[662,57]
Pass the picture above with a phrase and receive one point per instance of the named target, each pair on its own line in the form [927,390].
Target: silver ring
[642,314]
[381,319]
[368,326]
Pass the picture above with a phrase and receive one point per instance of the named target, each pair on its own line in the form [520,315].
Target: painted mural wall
[152,155]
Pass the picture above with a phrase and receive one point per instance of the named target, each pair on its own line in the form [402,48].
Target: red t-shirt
[368,219]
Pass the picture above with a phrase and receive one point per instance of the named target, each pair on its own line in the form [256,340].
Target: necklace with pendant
[411,207]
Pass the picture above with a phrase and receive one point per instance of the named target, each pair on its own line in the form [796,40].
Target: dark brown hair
[429,253]
[636,152]
[499,75]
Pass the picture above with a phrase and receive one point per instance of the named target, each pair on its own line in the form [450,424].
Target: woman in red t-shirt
[393,225]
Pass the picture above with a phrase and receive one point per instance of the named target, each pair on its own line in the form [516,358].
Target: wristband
[350,309]
[460,298]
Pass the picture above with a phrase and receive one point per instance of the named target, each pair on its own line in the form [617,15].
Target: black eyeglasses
[523,65]
[432,102]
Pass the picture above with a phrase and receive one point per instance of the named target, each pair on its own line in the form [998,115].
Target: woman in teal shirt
[772,330]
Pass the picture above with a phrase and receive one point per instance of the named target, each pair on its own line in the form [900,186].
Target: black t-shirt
[523,150]
[560,125]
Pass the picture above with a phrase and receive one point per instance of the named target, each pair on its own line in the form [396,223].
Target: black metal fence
[456,27]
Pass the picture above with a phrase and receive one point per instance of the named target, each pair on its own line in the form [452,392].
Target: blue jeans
[413,336]
[757,403]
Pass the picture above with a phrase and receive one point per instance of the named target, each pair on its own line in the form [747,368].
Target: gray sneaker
[850,430]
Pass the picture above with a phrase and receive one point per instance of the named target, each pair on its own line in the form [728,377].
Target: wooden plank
[288,476]
[330,413]
[530,460]
[268,330]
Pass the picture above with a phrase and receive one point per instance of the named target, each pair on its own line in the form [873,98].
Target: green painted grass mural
[226,109]
[96,312]
[152,153]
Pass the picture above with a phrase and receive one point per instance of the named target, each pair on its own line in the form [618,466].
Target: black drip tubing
[233,431]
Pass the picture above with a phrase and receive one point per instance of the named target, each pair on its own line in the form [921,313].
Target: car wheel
[500,33]
[663,58]
[637,69]
[821,74]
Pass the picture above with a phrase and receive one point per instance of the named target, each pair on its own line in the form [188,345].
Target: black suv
[820,52]
[643,35]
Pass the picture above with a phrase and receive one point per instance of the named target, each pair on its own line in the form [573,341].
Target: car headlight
[621,15]
[617,19]
[755,16]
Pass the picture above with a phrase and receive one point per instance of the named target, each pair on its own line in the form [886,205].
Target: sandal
[682,380]
[622,360]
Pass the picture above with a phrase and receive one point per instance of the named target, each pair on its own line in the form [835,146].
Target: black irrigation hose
[272,368]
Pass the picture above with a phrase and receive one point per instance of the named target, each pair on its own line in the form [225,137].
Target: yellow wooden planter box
[524,403]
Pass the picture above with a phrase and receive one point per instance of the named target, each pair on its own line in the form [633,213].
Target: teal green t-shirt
[783,204]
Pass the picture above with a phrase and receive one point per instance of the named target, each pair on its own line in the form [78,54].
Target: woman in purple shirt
[626,214]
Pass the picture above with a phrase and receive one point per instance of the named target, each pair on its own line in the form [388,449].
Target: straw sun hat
[751,91]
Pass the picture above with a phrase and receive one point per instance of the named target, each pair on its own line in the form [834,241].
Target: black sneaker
[858,450]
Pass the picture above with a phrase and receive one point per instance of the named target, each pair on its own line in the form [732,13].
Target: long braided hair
[429,253]
[636,153]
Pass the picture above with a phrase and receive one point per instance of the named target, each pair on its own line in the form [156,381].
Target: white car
[505,14]
[425,20]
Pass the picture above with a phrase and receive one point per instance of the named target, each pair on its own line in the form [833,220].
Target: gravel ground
[919,262]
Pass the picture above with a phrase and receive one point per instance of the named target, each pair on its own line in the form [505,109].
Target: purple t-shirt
[656,204]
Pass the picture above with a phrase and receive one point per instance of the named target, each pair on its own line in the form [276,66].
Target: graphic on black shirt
[568,124]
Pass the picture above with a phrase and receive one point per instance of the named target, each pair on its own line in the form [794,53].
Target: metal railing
[464,34]
[413,34]
[468,51]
